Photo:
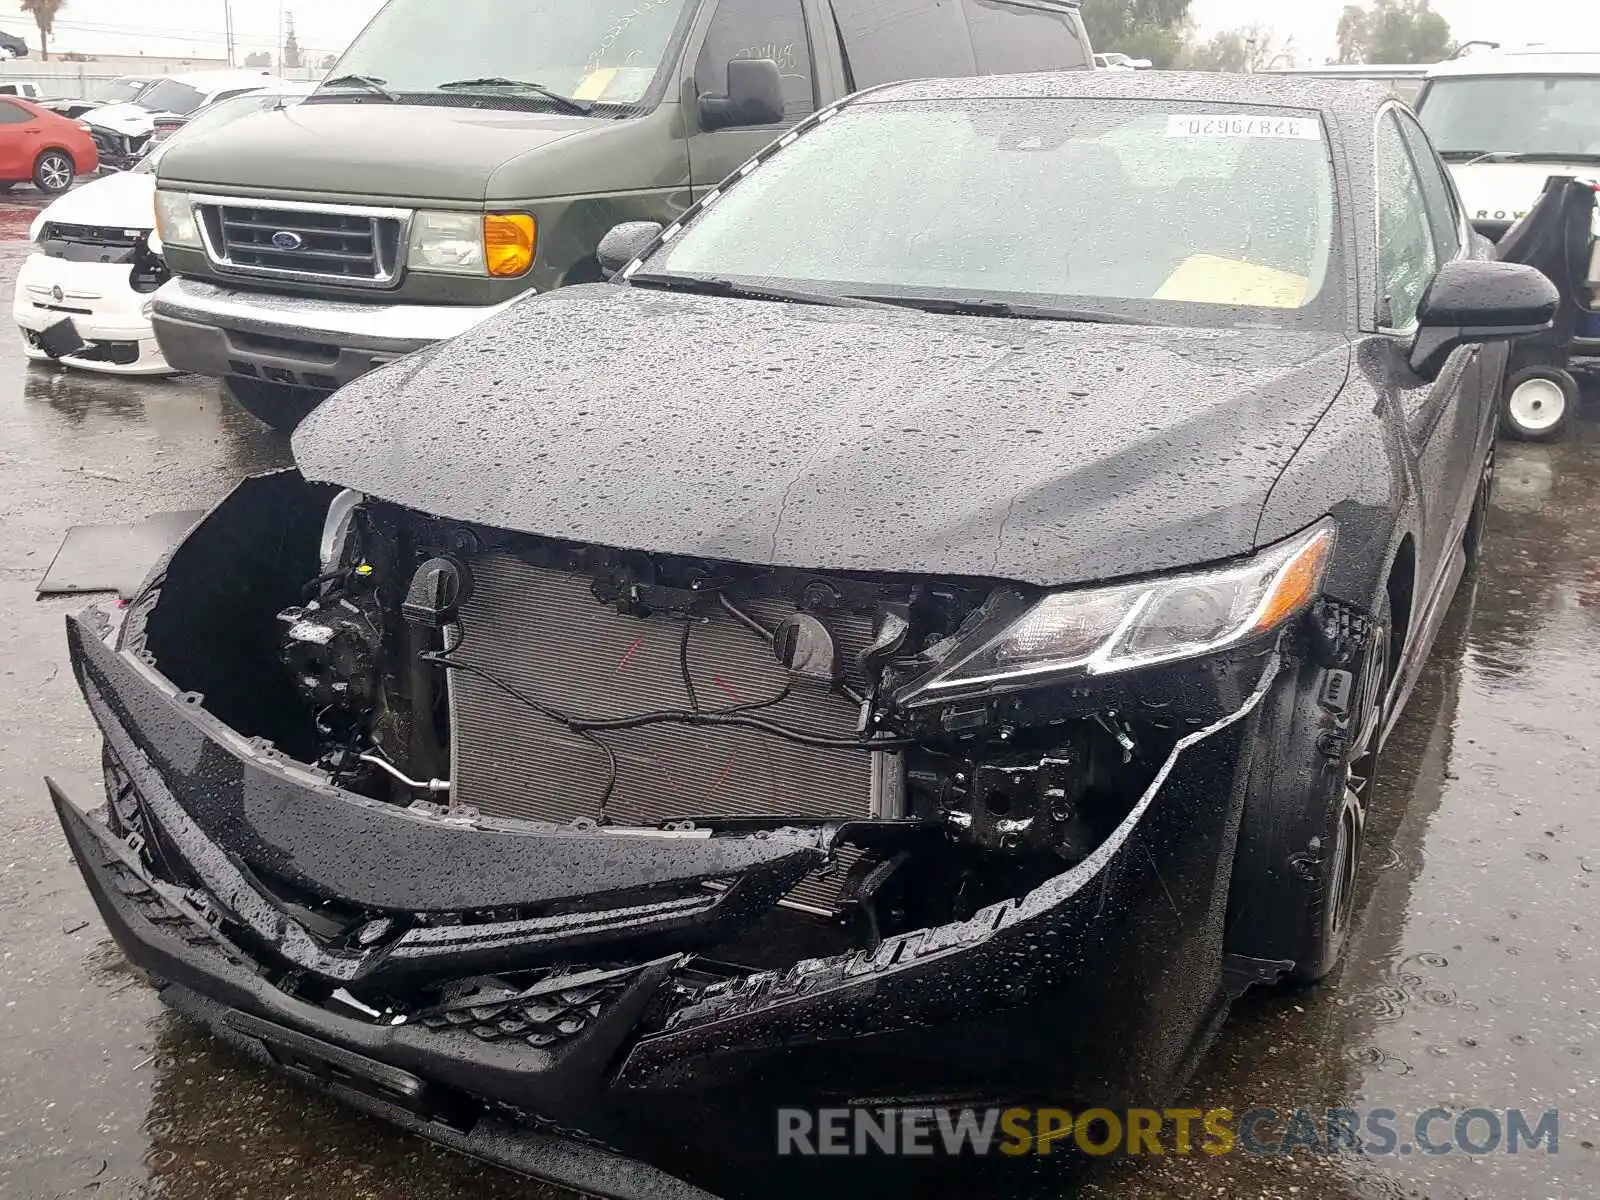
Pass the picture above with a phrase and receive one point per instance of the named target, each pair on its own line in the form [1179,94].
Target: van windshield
[597,51]
[1524,116]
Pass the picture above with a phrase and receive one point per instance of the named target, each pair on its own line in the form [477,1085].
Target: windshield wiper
[710,285]
[955,306]
[495,82]
[366,82]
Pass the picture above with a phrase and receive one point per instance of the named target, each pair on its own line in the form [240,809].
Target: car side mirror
[624,243]
[755,97]
[1471,302]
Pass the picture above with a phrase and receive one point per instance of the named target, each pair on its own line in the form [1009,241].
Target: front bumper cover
[1098,987]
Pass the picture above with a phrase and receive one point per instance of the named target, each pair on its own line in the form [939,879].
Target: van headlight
[501,245]
[176,221]
[1101,631]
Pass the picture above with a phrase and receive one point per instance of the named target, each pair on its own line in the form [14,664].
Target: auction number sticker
[1301,129]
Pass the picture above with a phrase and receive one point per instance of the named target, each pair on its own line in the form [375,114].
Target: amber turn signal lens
[508,243]
[1297,581]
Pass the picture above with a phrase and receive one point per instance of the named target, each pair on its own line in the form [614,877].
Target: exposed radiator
[543,632]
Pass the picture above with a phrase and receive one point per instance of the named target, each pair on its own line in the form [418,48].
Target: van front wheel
[275,404]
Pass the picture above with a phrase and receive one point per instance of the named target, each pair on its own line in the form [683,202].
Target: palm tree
[44,15]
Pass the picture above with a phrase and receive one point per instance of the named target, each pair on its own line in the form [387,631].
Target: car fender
[1354,467]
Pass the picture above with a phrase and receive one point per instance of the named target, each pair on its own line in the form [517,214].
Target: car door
[19,138]
[1477,413]
[1442,416]
[774,29]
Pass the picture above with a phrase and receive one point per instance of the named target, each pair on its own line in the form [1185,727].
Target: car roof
[1534,60]
[1346,101]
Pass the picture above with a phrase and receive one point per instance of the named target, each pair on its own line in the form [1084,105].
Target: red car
[39,146]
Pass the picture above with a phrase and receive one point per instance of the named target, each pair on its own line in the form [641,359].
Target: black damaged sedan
[923,634]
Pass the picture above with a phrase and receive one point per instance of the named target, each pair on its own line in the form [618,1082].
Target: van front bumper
[296,341]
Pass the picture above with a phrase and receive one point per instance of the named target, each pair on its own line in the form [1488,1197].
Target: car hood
[447,153]
[1506,191]
[129,119]
[125,200]
[846,439]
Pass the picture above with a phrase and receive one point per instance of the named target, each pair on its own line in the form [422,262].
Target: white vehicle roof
[1534,60]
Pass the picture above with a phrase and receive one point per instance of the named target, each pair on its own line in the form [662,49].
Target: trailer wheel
[1538,404]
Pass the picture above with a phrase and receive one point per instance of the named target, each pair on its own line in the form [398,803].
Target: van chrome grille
[333,244]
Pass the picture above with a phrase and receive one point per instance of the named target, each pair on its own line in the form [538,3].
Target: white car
[75,300]
[123,130]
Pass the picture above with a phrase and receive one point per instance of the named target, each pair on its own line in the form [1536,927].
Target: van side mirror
[624,243]
[1480,302]
[755,97]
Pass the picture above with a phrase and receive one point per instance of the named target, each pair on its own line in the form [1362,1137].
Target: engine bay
[501,675]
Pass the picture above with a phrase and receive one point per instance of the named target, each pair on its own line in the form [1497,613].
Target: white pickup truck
[1507,120]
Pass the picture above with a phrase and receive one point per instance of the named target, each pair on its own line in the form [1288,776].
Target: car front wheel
[275,404]
[1305,812]
[53,173]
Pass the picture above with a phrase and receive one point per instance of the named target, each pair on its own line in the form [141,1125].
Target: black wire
[683,665]
[559,718]
[734,718]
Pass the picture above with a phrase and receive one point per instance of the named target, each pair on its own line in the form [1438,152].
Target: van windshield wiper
[955,306]
[500,82]
[711,285]
[366,82]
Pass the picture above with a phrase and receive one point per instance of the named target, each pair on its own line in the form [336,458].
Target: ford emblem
[287,239]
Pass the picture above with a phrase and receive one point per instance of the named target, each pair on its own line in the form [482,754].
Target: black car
[924,633]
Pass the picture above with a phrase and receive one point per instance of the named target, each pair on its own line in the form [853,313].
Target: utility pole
[227,18]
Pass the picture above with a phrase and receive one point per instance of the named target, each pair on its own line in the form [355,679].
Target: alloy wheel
[55,172]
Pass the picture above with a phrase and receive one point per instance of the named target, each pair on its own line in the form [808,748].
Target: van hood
[842,439]
[448,153]
[123,200]
[1502,192]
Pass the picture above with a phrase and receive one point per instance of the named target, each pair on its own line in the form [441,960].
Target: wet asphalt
[1473,978]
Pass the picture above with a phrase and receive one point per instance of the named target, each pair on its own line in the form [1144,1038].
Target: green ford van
[462,155]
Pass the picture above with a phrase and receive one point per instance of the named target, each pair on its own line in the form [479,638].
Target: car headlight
[1105,630]
[175,220]
[501,245]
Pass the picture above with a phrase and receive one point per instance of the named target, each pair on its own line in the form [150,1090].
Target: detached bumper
[1098,987]
[293,340]
[100,301]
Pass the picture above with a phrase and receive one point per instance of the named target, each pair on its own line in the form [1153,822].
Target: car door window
[886,41]
[1443,212]
[774,29]
[1408,256]
[13,114]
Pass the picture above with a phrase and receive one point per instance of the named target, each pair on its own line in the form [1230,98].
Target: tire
[1305,811]
[53,172]
[1538,404]
[273,404]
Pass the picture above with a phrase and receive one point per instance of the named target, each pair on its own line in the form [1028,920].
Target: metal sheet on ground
[114,558]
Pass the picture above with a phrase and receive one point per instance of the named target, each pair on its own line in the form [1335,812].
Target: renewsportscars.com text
[1014,1132]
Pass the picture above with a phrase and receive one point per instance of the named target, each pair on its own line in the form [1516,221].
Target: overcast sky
[1571,24]
[174,28]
